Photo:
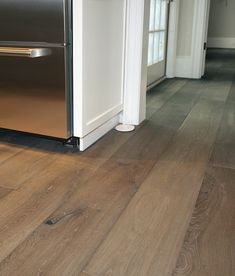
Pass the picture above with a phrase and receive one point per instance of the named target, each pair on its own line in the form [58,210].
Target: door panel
[33,94]
[32,20]
[159,11]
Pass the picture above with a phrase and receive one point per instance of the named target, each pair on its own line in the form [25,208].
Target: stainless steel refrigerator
[36,66]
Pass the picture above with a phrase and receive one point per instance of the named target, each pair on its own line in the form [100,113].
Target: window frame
[156,28]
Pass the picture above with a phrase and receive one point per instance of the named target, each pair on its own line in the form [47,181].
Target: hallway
[157,201]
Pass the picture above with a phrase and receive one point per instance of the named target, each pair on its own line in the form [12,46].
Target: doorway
[158,33]
[220,33]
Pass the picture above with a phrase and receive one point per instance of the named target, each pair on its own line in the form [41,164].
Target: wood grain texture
[148,236]
[4,192]
[209,245]
[11,144]
[84,273]
[85,218]
[159,95]
[224,152]
[231,97]
[23,165]
[33,155]
[27,207]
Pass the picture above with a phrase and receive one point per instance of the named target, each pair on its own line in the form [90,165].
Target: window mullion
[154,19]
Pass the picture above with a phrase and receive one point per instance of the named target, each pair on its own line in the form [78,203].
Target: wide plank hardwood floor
[158,201]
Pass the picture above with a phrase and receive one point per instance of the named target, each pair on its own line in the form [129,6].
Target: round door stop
[125,128]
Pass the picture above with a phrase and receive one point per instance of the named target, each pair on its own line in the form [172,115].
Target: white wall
[222,24]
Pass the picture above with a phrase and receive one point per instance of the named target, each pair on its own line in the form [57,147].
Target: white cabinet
[98,57]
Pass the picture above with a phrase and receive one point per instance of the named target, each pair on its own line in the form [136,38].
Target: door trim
[137,57]
[172,38]
[136,53]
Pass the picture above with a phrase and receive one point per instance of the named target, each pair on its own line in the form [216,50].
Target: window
[157,31]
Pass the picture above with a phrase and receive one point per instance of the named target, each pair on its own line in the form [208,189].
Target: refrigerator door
[35,21]
[34,90]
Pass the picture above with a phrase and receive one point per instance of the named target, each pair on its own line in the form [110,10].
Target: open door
[158,32]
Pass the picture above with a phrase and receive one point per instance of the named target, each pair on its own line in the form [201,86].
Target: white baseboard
[96,134]
[102,118]
[221,42]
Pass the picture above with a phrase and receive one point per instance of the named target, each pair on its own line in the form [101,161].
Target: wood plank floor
[209,246]
[158,201]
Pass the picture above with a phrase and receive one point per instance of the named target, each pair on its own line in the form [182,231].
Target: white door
[158,27]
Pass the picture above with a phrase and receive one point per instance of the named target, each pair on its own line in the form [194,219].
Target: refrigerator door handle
[24,52]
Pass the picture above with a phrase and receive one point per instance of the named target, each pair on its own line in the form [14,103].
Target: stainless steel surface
[35,67]
[33,20]
[24,52]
